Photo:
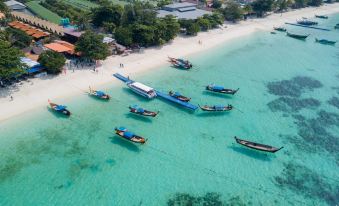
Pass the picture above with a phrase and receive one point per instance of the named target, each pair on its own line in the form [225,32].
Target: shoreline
[36,93]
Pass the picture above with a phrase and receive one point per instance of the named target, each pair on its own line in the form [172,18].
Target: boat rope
[214,173]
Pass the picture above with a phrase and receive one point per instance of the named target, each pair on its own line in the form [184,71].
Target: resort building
[61,47]
[14,5]
[29,30]
[183,10]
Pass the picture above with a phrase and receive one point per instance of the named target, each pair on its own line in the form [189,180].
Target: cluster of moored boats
[307,23]
[180,63]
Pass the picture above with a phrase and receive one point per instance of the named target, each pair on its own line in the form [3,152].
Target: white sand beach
[35,93]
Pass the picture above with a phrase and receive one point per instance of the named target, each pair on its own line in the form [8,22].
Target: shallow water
[286,88]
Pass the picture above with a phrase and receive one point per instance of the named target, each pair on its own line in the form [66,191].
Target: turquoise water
[289,96]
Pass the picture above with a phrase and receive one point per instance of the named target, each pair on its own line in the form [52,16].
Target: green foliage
[169,26]
[52,61]
[63,10]
[90,46]
[107,13]
[3,7]
[18,38]
[10,64]
[109,27]
[143,34]
[193,29]
[204,24]
[262,6]
[161,3]
[216,4]
[315,2]
[123,35]
[232,11]
[300,3]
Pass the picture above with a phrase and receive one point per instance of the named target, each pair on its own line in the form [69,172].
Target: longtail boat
[257,146]
[325,41]
[98,94]
[283,29]
[336,26]
[221,89]
[321,16]
[307,22]
[125,134]
[297,36]
[180,63]
[216,108]
[141,111]
[61,109]
[178,96]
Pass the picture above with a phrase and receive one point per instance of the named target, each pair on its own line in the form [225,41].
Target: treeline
[137,24]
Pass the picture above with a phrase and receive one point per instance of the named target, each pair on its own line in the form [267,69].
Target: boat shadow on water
[124,143]
[252,153]
[213,114]
[214,94]
[139,117]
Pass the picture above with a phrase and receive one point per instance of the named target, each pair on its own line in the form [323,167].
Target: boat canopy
[100,93]
[218,88]
[135,106]
[60,107]
[141,110]
[219,107]
[122,128]
[177,94]
[142,86]
[128,135]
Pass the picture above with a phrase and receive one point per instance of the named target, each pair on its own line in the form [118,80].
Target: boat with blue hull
[98,94]
[325,41]
[307,22]
[130,136]
[61,109]
[216,108]
[221,89]
[141,111]
[179,96]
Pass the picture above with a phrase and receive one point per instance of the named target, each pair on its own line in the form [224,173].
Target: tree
[247,9]
[109,27]
[233,11]
[123,35]
[315,2]
[83,23]
[10,63]
[171,27]
[107,13]
[300,3]
[216,4]
[52,61]
[262,6]
[143,34]
[18,38]
[204,23]
[192,29]
[90,46]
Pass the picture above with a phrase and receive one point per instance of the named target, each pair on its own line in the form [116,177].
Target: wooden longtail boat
[221,89]
[140,111]
[282,29]
[61,109]
[325,41]
[321,16]
[178,96]
[257,146]
[297,36]
[125,134]
[216,108]
[180,63]
[98,94]
[307,22]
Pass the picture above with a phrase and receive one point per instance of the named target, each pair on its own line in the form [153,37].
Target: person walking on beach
[11,98]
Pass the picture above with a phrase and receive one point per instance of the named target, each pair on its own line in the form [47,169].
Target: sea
[288,97]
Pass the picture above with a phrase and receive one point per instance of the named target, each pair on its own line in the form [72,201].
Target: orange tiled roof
[58,48]
[30,30]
